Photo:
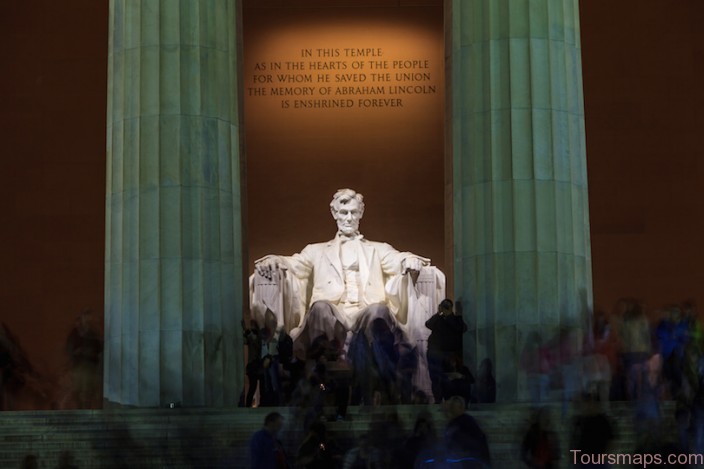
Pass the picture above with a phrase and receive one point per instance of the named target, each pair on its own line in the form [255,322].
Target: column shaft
[173,257]
[521,218]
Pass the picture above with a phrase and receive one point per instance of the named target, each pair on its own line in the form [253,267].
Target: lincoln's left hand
[413,265]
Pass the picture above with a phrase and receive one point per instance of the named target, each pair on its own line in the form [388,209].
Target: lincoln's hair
[343,196]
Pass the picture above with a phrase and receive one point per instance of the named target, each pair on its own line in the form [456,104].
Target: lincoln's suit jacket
[320,265]
[315,274]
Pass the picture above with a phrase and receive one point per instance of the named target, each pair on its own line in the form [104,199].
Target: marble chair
[268,301]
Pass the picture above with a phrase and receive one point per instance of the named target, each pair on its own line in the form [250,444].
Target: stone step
[199,437]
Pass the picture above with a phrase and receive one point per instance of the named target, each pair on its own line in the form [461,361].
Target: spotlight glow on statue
[338,288]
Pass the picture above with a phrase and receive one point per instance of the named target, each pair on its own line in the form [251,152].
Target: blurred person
[269,373]
[445,340]
[6,367]
[635,345]
[84,347]
[332,382]
[592,430]
[596,375]
[653,435]
[696,330]
[535,363]
[320,389]
[421,445]
[340,384]
[419,397]
[607,341]
[266,451]
[365,375]
[594,365]
[388,435]
[377,399]
[605,348]
[20,383]
[363,456]
[308,398]
[342,390]
[464,439]
[695,374]
[568,360]
[315,452]
[648,418]
[486,383]
[253,368]
[407,365]
[673,335]
[688,396]
[291,367]
[601,328]
[458,380]
[540,448]
[386,358]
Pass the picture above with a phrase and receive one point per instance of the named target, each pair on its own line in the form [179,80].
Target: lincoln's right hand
[266,266]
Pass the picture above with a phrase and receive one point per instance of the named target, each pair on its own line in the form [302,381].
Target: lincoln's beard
[346,229]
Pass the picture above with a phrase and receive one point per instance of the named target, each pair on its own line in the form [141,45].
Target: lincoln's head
[347,208]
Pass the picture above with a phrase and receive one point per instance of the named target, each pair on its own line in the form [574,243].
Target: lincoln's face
[347,216]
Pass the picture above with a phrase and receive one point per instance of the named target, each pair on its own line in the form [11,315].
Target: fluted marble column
[173,258]
[521,218]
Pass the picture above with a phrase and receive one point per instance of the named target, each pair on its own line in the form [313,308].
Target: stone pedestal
[173,258]
[521,219]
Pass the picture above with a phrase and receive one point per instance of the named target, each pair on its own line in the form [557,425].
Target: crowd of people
[76,386]
[658,358]
[630,355]
[636,355]
[626,356]
[280,377]
[321,379]
[384,445]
